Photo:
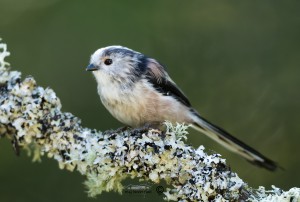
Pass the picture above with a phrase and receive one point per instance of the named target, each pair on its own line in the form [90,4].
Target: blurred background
[237,61]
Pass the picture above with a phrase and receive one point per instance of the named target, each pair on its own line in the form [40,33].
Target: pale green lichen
[276,195]
[3,54]
[31,116]
[97,183]
[180,130]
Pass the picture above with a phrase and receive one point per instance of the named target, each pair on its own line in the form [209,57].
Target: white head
[117,64]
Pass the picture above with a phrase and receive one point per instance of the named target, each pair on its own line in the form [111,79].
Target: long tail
[230,142]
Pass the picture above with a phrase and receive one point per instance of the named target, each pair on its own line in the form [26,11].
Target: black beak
[91,67]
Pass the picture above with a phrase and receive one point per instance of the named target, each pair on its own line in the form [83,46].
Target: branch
[31,117]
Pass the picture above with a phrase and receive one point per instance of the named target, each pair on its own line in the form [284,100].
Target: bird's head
[117,63]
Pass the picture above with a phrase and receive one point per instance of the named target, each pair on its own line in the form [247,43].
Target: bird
[137,90]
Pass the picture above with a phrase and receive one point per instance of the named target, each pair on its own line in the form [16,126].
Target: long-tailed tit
[137,90]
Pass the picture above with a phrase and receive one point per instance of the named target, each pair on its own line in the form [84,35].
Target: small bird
[137,90]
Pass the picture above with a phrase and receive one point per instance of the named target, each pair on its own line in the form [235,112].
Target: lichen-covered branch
[31,117]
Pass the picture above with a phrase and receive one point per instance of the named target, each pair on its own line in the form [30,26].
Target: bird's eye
[108,61]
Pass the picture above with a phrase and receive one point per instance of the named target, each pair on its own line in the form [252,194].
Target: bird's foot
[118,130]
[141,129]
[148,126]
[122,129]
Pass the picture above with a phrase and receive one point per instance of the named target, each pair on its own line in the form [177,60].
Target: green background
[237,61]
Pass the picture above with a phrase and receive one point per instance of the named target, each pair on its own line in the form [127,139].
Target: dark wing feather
[158,77]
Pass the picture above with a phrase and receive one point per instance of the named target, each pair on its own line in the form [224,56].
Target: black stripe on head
[121,51]
[137,60]
[141,66]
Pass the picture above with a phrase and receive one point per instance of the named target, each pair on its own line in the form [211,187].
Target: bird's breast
[122,102]
[140,104]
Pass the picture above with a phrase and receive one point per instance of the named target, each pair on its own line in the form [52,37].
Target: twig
[31,117]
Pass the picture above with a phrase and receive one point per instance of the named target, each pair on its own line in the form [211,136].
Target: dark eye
[108,61]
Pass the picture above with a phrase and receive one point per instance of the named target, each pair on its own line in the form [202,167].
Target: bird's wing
[159,78]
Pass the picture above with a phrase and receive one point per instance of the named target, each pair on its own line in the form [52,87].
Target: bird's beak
[91,67]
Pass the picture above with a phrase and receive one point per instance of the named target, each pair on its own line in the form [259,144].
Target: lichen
[276,195]
[32,117]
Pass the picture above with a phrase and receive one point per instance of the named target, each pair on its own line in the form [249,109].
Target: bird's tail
[230,142]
